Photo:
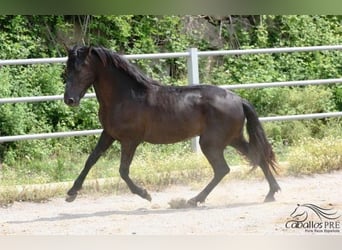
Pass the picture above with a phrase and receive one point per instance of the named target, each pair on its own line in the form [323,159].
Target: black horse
[135,108]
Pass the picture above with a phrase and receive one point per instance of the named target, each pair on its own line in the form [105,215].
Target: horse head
[79,75]
[300,213]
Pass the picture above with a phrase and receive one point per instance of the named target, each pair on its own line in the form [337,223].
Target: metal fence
[192,56]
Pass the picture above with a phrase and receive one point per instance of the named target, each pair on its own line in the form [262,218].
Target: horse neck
[113,86]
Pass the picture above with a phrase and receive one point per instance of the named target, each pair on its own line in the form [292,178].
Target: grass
[154,167]
[312,156]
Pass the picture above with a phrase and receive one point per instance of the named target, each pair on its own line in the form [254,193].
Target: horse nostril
[70,101]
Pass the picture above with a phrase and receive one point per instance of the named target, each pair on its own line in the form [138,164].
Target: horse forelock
[77,54]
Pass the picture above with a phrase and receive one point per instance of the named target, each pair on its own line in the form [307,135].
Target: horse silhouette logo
[313,217]
[301,212]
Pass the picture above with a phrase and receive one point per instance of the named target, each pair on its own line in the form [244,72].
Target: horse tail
[260,150]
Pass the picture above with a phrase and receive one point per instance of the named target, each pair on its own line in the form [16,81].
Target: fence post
[193,79]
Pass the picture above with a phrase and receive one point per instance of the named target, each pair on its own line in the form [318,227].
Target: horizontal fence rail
[184,54]
[232,86]
[282,84]
[269,50]
[39,98]
[192,56]
[64,59]
[49,135]
[98,131]
[300,117]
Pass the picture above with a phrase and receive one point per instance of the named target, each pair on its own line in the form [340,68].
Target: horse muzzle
[71,101]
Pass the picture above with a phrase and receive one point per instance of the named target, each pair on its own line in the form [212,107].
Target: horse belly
[171,130]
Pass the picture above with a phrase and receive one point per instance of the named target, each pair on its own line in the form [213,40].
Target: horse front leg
[102,145]
[127,153]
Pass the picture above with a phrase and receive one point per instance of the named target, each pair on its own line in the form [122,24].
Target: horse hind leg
[216,159]
[274,186]
[244,148]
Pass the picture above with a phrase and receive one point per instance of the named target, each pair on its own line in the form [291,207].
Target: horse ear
[90,49]
[87,53]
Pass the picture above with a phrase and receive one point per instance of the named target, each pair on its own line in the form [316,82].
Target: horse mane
[112,59]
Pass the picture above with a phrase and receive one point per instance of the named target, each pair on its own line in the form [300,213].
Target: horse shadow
[136,212]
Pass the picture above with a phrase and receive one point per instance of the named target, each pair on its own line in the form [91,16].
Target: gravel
[235,207]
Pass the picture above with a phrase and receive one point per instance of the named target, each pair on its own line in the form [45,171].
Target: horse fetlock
[197,200]
[277,188]
[269,197]
[192,202]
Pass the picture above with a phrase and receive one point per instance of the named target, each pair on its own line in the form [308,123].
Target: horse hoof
[71,198]
[148,197]
[144,194]
[192,202]
[269,199]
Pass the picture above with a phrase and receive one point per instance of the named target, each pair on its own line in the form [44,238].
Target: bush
[42,36]
[315,156]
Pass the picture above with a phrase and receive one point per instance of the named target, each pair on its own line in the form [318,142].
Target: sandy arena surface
[235,207]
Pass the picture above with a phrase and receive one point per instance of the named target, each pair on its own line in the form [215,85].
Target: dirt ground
[235,207]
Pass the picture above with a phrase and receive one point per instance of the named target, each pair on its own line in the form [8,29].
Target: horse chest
[121,121]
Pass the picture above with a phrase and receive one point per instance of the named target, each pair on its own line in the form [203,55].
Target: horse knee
[124,172]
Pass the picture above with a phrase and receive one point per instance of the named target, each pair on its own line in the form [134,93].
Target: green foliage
[286,31]
[315,156]
[130,34]
[43,36]
[338,96]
